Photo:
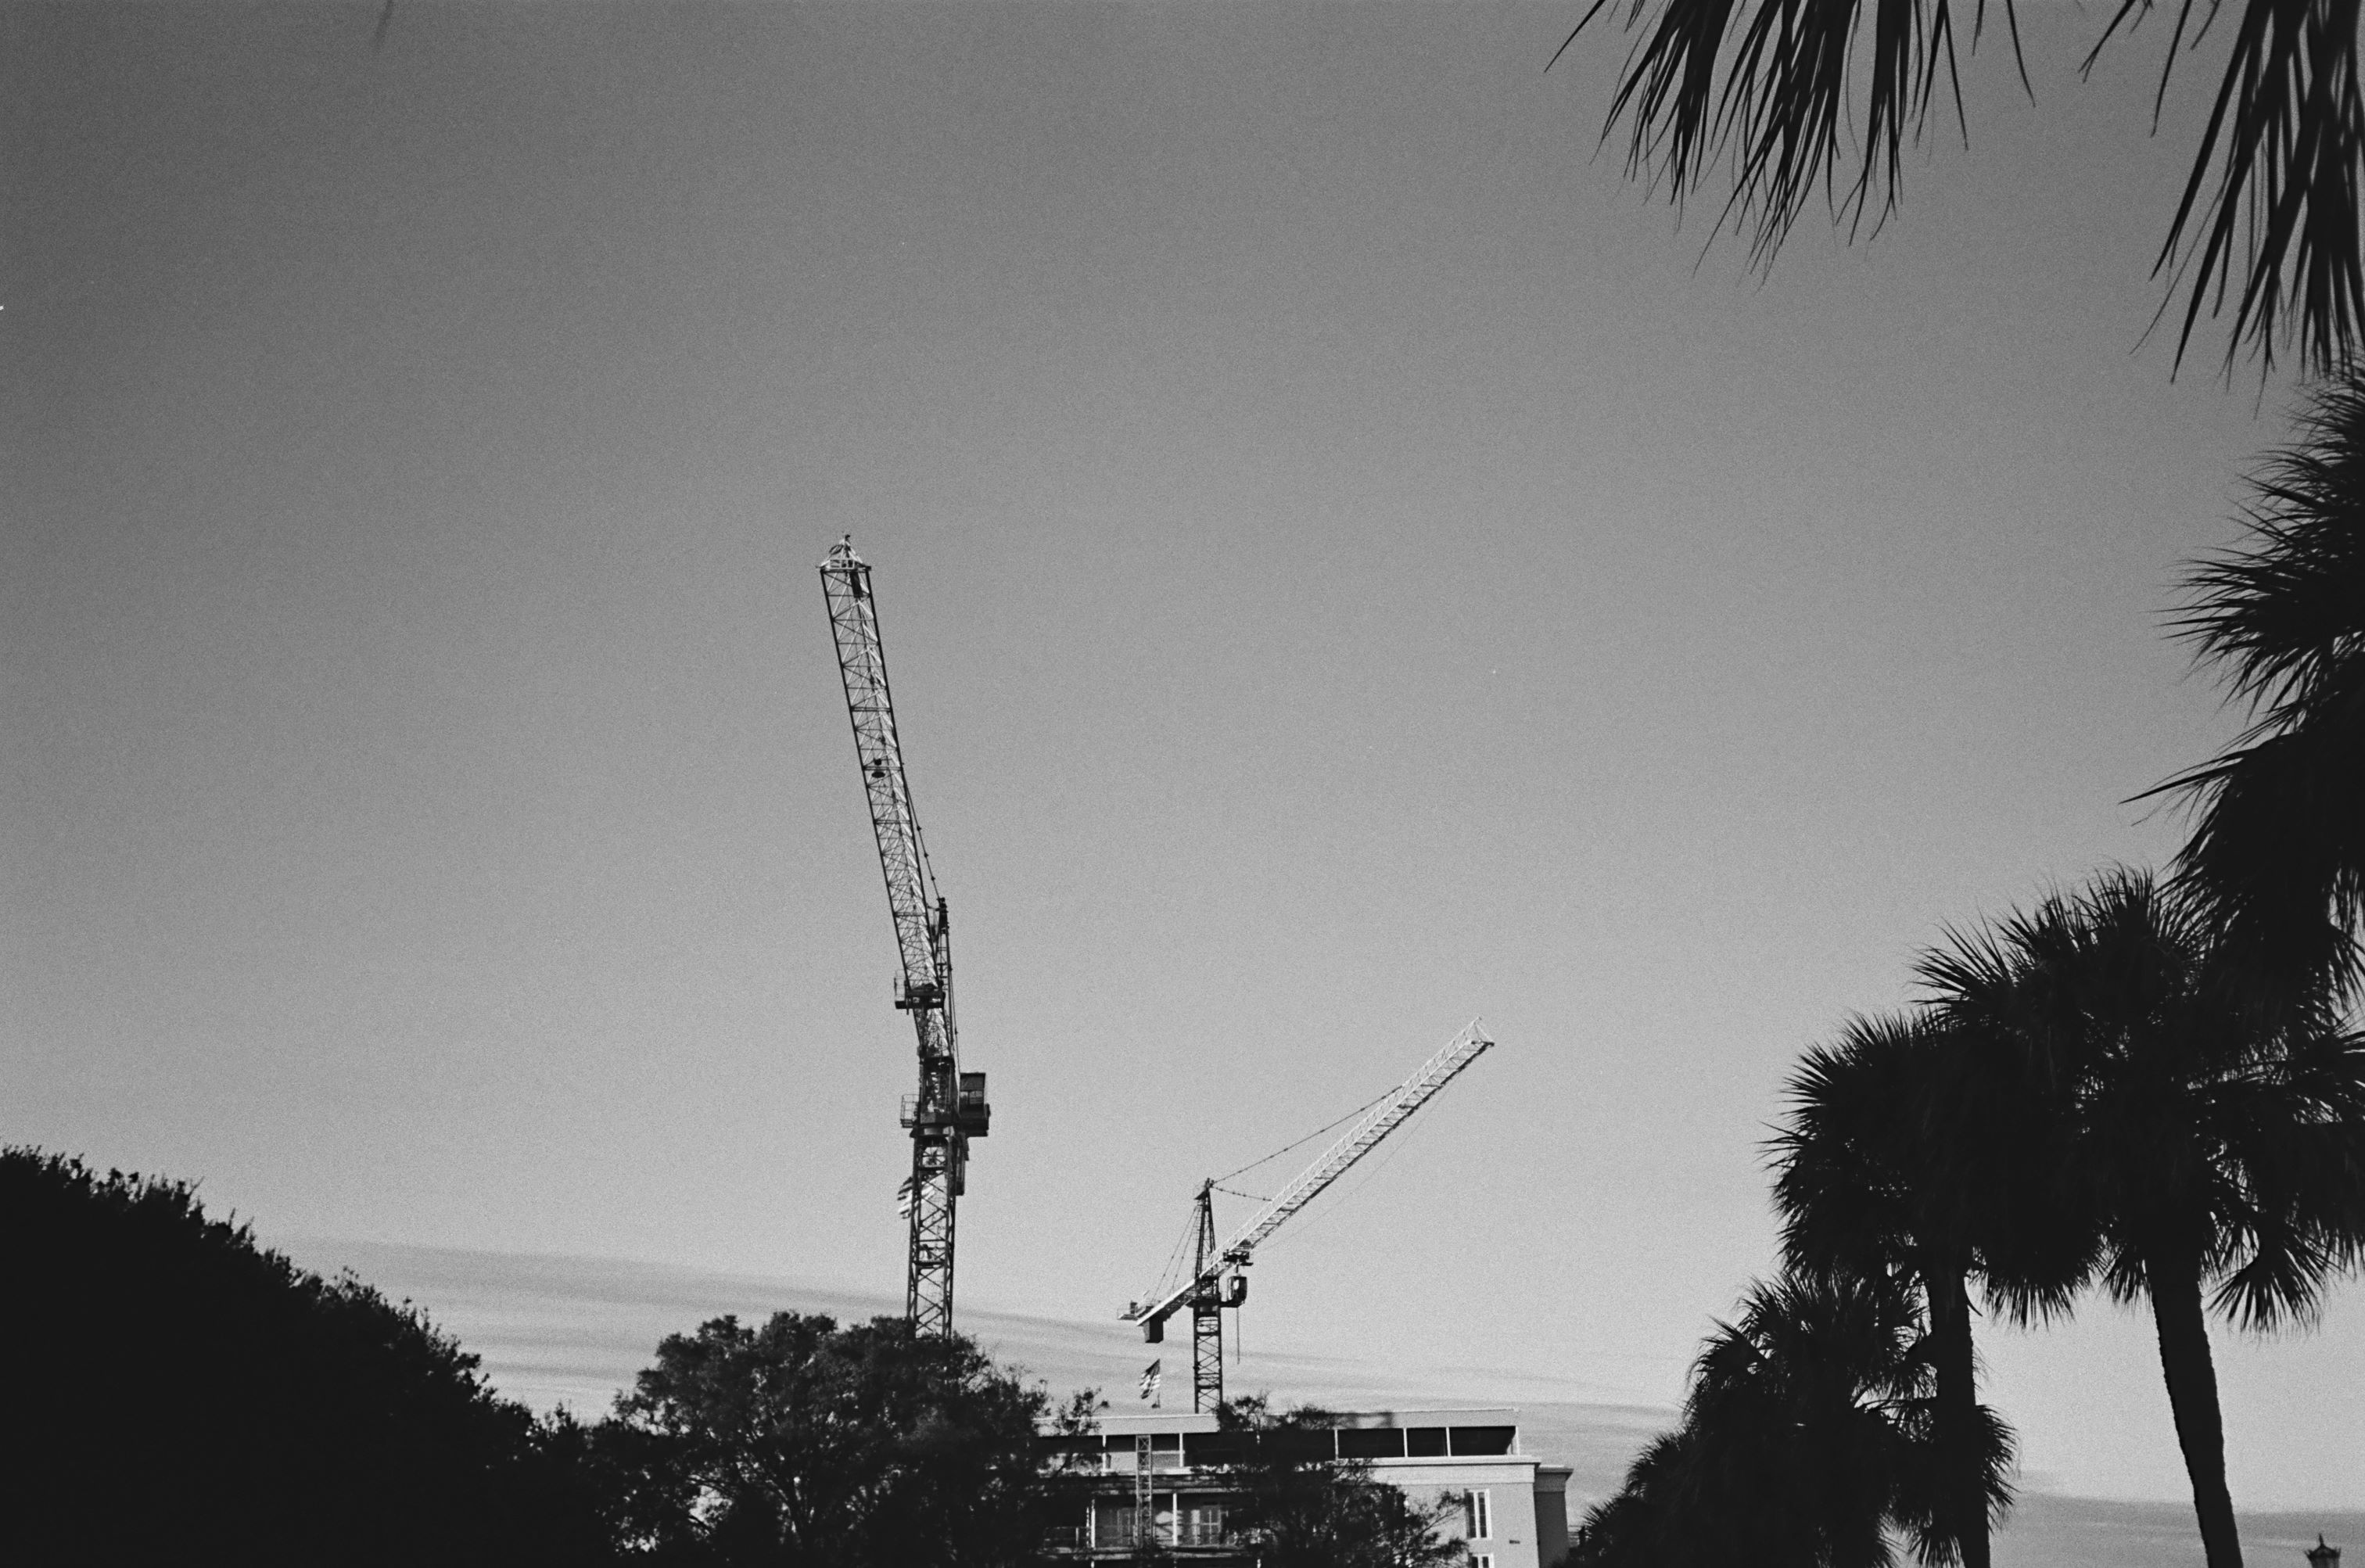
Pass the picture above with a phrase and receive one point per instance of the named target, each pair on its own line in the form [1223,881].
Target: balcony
[1117,1535]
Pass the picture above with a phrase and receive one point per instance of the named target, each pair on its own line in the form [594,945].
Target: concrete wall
[1508,1485]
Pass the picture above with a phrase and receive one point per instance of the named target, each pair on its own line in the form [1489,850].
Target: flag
[905,1197]
[1150,1380]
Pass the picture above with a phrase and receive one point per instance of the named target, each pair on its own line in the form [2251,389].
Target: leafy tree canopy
[802,1442]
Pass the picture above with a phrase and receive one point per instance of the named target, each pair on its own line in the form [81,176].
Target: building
[1510,1508]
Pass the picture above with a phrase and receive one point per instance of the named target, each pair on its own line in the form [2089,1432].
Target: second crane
[1216,1280]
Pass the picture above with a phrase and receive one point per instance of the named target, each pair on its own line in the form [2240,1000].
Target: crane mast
[950,1108]
[1216,1280]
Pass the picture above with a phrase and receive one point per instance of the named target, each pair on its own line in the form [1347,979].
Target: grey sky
[1344,568]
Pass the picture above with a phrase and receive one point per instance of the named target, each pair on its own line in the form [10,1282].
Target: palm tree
[2277,849]
[1795,1414]
[1769,89]
[1918,1148]
[1806,1436]
[1630,1530]
[2221,1144]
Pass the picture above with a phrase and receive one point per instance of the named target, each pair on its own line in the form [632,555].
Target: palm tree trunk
[2191,1376]
[1959,1412]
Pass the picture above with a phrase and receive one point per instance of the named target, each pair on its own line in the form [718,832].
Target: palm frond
[1925,1486]
[2269,216]
[1767,87]
[2272,203]
[2283,615]
[2276,849]
[2277,853]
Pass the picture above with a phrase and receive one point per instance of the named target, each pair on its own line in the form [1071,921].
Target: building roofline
[1134,1423]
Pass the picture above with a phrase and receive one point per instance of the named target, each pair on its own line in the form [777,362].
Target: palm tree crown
[1806,1438]
[1916,1148]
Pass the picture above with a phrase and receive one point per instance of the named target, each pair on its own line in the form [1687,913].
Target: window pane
[1371,1442]
[1482,1439]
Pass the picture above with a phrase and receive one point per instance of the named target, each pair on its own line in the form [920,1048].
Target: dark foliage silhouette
[1301,1507]
[1917,1149]
[1803,100]
[1807,1437]
[2220,1142]
[2277,855]
[802,1442]
[191,1396]
[1638,1525]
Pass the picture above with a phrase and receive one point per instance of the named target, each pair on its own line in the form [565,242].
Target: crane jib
[912,901]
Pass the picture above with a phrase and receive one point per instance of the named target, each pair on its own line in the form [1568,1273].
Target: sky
[1349,560]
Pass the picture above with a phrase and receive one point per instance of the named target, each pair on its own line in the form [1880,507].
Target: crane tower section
[949,1107]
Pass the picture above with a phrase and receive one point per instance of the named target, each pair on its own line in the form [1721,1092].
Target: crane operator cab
[970,1113]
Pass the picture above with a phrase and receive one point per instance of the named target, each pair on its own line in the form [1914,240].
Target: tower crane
[1217,1278]
[950,1108]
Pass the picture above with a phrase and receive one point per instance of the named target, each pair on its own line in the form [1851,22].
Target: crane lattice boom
[1358,1140]
[950,1108]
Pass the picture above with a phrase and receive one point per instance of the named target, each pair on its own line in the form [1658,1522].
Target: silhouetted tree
[2277,855]
[1915,1147]
[1806,1435]
[183,1394]
[1639,1527]
[800,1442]
[2220,1143]
[1794,1411]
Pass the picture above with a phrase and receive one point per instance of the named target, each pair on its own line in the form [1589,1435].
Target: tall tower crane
[950,1107]
[1216,1279]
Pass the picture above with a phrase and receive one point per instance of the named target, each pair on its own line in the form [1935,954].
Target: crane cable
[1309,1137]
[1174,1259]
[1316,1215]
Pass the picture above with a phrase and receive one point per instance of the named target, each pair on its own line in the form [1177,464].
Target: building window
[1483,1560]
[1484,1439]
[1371,1442]
[1203,1523]
[1480,1507]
